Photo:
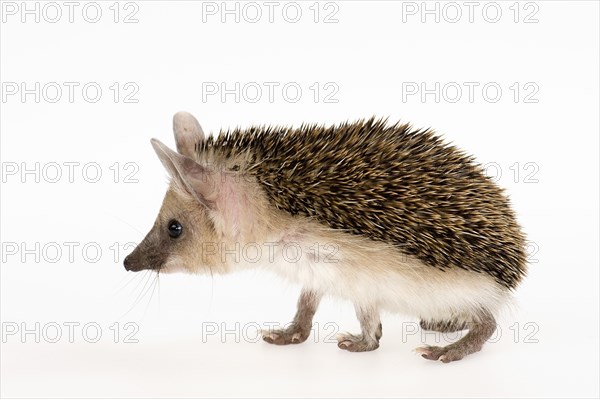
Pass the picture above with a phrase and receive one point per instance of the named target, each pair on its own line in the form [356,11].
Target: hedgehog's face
[180,240]
[183,237]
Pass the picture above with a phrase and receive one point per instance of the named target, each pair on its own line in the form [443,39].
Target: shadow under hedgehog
[388,217]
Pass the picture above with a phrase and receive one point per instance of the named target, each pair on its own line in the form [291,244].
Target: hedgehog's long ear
[218,190]
[187,132]
[199,181]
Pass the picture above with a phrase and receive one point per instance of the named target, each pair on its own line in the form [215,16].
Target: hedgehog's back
[388,183]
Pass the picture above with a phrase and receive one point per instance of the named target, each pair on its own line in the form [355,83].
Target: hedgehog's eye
[175,228]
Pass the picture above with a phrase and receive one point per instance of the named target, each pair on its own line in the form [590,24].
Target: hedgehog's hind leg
[370,325]
[480,330]
[299,329]
[443,326]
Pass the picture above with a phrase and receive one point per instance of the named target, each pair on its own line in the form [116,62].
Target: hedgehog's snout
[136,261]
[130,264]
[150,254]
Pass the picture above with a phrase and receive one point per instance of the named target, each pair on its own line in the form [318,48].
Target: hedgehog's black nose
[128,263]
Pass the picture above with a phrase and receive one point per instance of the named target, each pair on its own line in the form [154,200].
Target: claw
[290,335]
[444,354]
[356,343]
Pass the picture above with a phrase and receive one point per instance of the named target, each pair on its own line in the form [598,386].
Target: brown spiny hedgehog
[387,216]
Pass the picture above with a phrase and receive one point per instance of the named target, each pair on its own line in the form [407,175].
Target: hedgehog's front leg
[299,330]
[370,325]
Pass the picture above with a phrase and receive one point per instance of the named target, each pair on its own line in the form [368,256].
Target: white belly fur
[374,274]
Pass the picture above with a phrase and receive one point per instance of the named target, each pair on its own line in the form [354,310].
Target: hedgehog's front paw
[356,343]
[293,334]
[446,354]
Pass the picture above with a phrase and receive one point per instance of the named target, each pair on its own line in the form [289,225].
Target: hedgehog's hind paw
[444,354]
[479,332]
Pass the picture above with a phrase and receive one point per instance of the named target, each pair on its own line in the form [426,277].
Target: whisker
[130,277]
[158,273]
[140,295]
[143,276]
[128,224]
[212,288]
[155,282]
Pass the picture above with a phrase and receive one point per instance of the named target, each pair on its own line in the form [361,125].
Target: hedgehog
[386,216]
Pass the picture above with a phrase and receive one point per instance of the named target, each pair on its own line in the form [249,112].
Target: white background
[371,55]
